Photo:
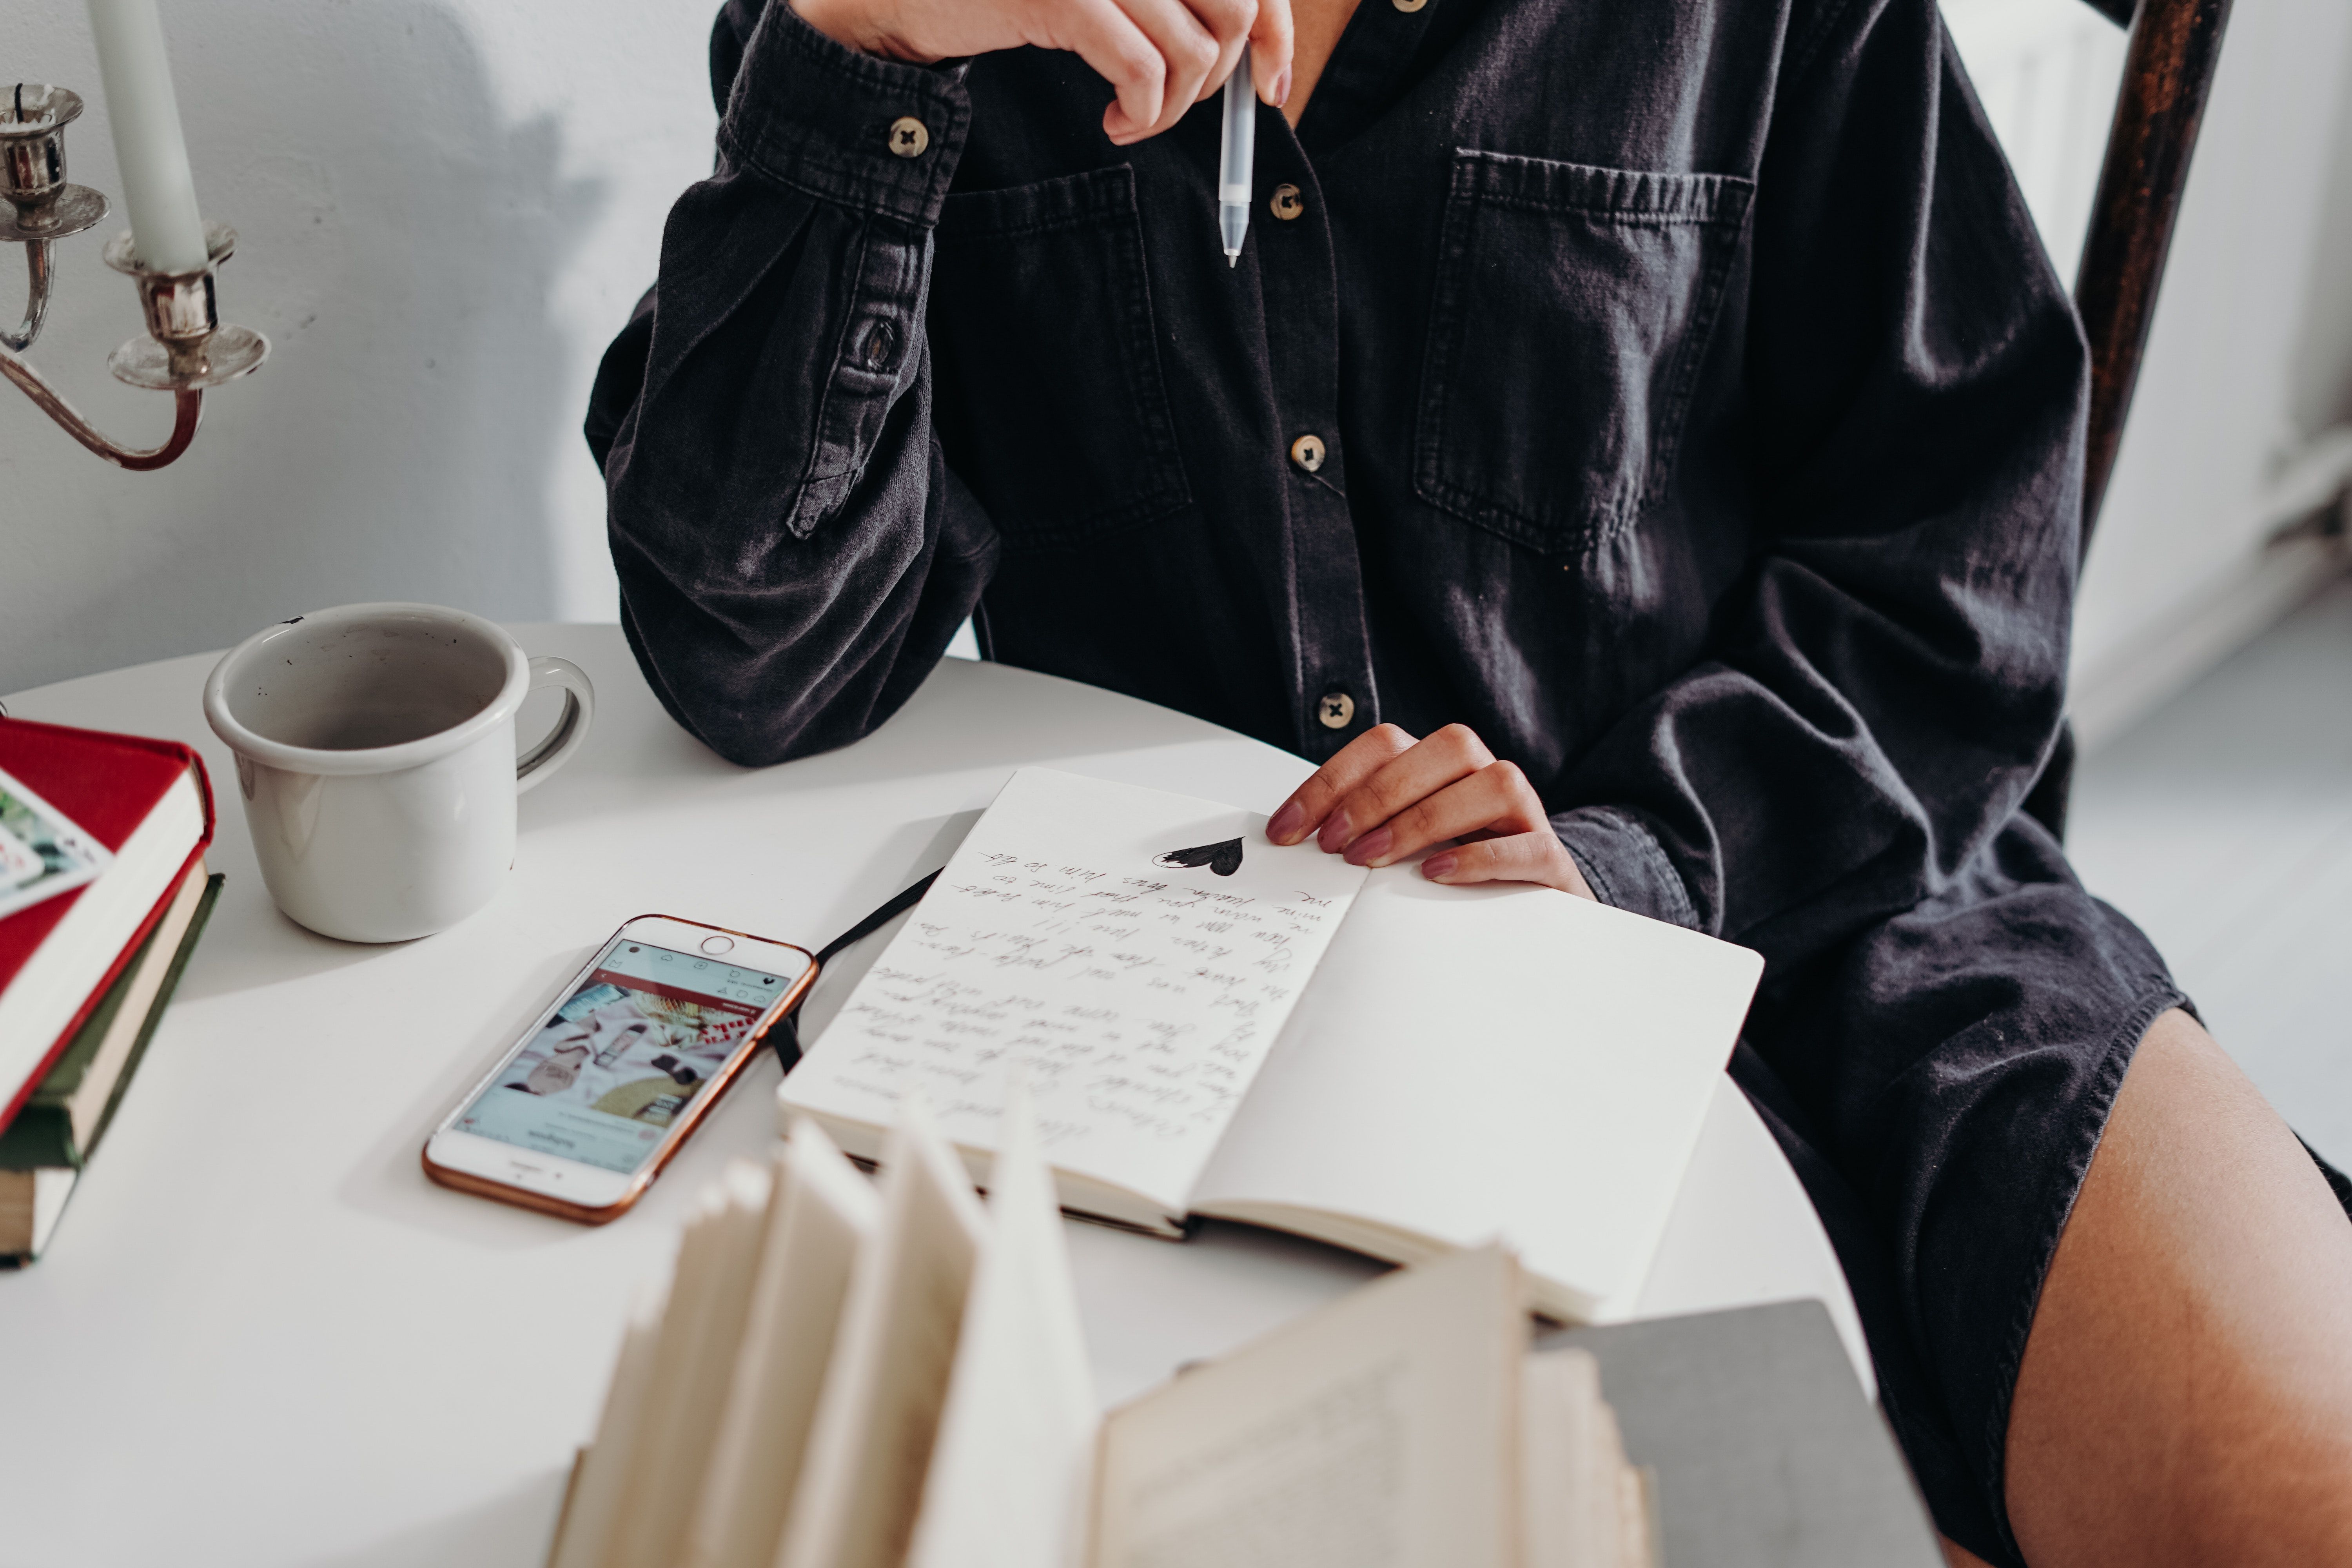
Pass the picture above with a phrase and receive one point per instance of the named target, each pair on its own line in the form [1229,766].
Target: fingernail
[1438,865]
[1370,847]
[1336,833]
[1283,826]
[1279,93]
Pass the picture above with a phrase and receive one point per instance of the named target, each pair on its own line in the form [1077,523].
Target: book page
[1505,1061]
[699,1335]
[863,1480]
[1383,1428]
[85,1107]
[683,1310]
[603,1477]
[1572,1462]
[1009,1473]
[1136,952]
[826,1213]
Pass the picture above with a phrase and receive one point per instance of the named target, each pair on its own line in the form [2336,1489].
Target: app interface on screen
[623,1056]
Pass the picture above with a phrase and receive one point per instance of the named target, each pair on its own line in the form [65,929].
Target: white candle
[166,233]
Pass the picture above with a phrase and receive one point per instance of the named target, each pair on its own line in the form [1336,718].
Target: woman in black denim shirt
[1665,407]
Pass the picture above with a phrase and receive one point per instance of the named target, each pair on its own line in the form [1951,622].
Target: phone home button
[715,945]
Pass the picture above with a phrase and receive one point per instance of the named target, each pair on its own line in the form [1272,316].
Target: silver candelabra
[185,350]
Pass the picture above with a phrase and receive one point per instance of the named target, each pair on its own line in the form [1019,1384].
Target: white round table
[262,1338]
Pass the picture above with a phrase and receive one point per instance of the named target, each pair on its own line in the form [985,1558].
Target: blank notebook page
[1470,1062]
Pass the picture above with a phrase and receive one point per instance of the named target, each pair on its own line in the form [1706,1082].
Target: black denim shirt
[1701,423]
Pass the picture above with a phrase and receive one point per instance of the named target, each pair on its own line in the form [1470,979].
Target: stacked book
[104,893]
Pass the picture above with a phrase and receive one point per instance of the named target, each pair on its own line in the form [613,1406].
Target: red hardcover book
[151,804]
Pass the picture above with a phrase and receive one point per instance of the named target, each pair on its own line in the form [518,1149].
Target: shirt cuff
[824,120]
[1623,860]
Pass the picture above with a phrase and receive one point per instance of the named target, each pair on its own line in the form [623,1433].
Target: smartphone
[592,1100]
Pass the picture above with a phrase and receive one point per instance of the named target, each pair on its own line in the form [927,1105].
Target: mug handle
[578,708]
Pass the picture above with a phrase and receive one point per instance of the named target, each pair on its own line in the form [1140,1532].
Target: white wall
[446,208]
[2250,360]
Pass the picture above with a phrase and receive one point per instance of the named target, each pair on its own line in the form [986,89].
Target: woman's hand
[1161,56]
[1386,797]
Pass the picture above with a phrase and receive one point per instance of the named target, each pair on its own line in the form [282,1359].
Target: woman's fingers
[1160,57]
[1536,857]
[1230,22]
[1494,800]
[1270,40]
[1386,797]
[1187,50]
[1312,802]
[1102,34]
[1454,752]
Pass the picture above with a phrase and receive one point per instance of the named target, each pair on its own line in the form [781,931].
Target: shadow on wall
[401,242]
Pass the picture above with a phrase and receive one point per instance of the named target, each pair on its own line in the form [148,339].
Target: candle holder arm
[188,409]
[37,298]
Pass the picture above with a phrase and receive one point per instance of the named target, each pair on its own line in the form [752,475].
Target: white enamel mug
[375,750]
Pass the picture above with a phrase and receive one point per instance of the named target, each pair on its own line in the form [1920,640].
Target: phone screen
[623,1056]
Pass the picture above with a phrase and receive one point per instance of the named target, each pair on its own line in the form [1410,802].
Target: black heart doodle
[1225,858]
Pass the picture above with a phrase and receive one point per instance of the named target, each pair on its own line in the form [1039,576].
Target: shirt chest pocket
[1572,308]
[1051,405]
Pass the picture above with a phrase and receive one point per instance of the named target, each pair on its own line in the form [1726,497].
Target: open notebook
[1215,1025]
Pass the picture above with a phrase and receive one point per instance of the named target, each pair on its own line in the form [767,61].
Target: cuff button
[909,137]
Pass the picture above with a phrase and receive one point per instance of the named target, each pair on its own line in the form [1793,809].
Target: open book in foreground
[838,1378]
[1216,1026]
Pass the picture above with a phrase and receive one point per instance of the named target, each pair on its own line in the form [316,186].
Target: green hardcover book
[61,1123]
[58,1130]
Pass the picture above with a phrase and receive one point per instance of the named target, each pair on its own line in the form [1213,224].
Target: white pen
[1235,155]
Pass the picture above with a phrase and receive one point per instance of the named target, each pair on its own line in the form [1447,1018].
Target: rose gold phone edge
[701,1106]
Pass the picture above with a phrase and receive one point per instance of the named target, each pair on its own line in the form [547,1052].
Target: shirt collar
[1383,49]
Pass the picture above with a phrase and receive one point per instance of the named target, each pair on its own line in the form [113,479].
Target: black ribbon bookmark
[784,1033]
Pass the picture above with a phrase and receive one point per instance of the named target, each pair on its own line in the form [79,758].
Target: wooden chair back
[2168,71]
[2175,44]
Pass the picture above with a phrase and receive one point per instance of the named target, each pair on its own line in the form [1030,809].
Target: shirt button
[1336,709]
[1287,204]
[1409,6]
[1308,453]
[909,136]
